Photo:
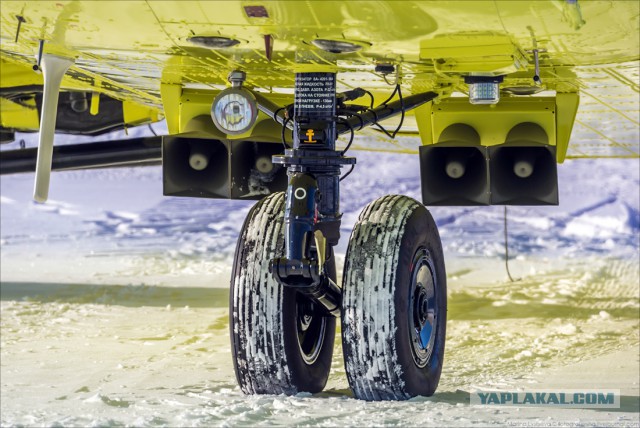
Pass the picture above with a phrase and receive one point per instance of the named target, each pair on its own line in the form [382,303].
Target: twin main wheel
[394,302]
[281,343]
[393,314]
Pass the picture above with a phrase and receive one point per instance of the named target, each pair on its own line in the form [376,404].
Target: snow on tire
[394,302]
[280,344]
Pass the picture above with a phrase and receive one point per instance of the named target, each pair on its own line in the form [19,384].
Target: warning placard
[315,94]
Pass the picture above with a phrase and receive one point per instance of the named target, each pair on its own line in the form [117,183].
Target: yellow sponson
[496,124]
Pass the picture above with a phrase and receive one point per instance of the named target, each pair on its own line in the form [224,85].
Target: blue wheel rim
[423,310]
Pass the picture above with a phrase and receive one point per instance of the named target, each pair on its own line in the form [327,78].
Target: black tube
[105,154]
[272,110]
[383,111]
[368,118]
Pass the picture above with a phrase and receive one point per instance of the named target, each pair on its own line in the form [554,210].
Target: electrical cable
[370,96]
[394,133]
[384,76]
[344,112]
[350,139]
[360,119]
[275,113]
[384,103]
[348,172]
[151,129]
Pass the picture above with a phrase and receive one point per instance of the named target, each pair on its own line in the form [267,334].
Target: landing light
[234,111]
[484,89]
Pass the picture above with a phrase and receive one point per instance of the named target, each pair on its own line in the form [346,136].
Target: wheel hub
[310,329]
[422,308]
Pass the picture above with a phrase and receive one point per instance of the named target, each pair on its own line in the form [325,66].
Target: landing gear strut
[312,213]
[285,299]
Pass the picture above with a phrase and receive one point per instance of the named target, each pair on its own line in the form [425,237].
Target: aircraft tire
[394,302]
[279,341]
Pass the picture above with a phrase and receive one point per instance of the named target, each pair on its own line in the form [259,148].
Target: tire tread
[257,324]
[371,362]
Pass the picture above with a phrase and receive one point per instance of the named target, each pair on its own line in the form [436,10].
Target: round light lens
[234,111]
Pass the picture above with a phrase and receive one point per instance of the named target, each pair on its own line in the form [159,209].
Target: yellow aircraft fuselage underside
[139,52]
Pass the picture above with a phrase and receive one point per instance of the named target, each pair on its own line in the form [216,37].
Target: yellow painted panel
[567,107]
[493,123]
[463,45]
[171,101]
[136,114]
[132,50]
[194,104]
[16,116]
[422,116]
[18,74]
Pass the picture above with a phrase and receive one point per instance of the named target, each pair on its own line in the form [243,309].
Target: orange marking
[310,134]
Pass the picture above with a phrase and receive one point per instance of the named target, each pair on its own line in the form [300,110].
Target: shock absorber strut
[312,211]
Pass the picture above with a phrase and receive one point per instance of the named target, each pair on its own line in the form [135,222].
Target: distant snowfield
[114,303]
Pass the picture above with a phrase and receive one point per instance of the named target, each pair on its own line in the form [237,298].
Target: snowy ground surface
[114,304]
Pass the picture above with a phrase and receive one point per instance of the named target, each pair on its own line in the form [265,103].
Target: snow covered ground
[114,304]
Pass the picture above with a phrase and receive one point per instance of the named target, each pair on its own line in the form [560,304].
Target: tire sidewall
[420,232]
